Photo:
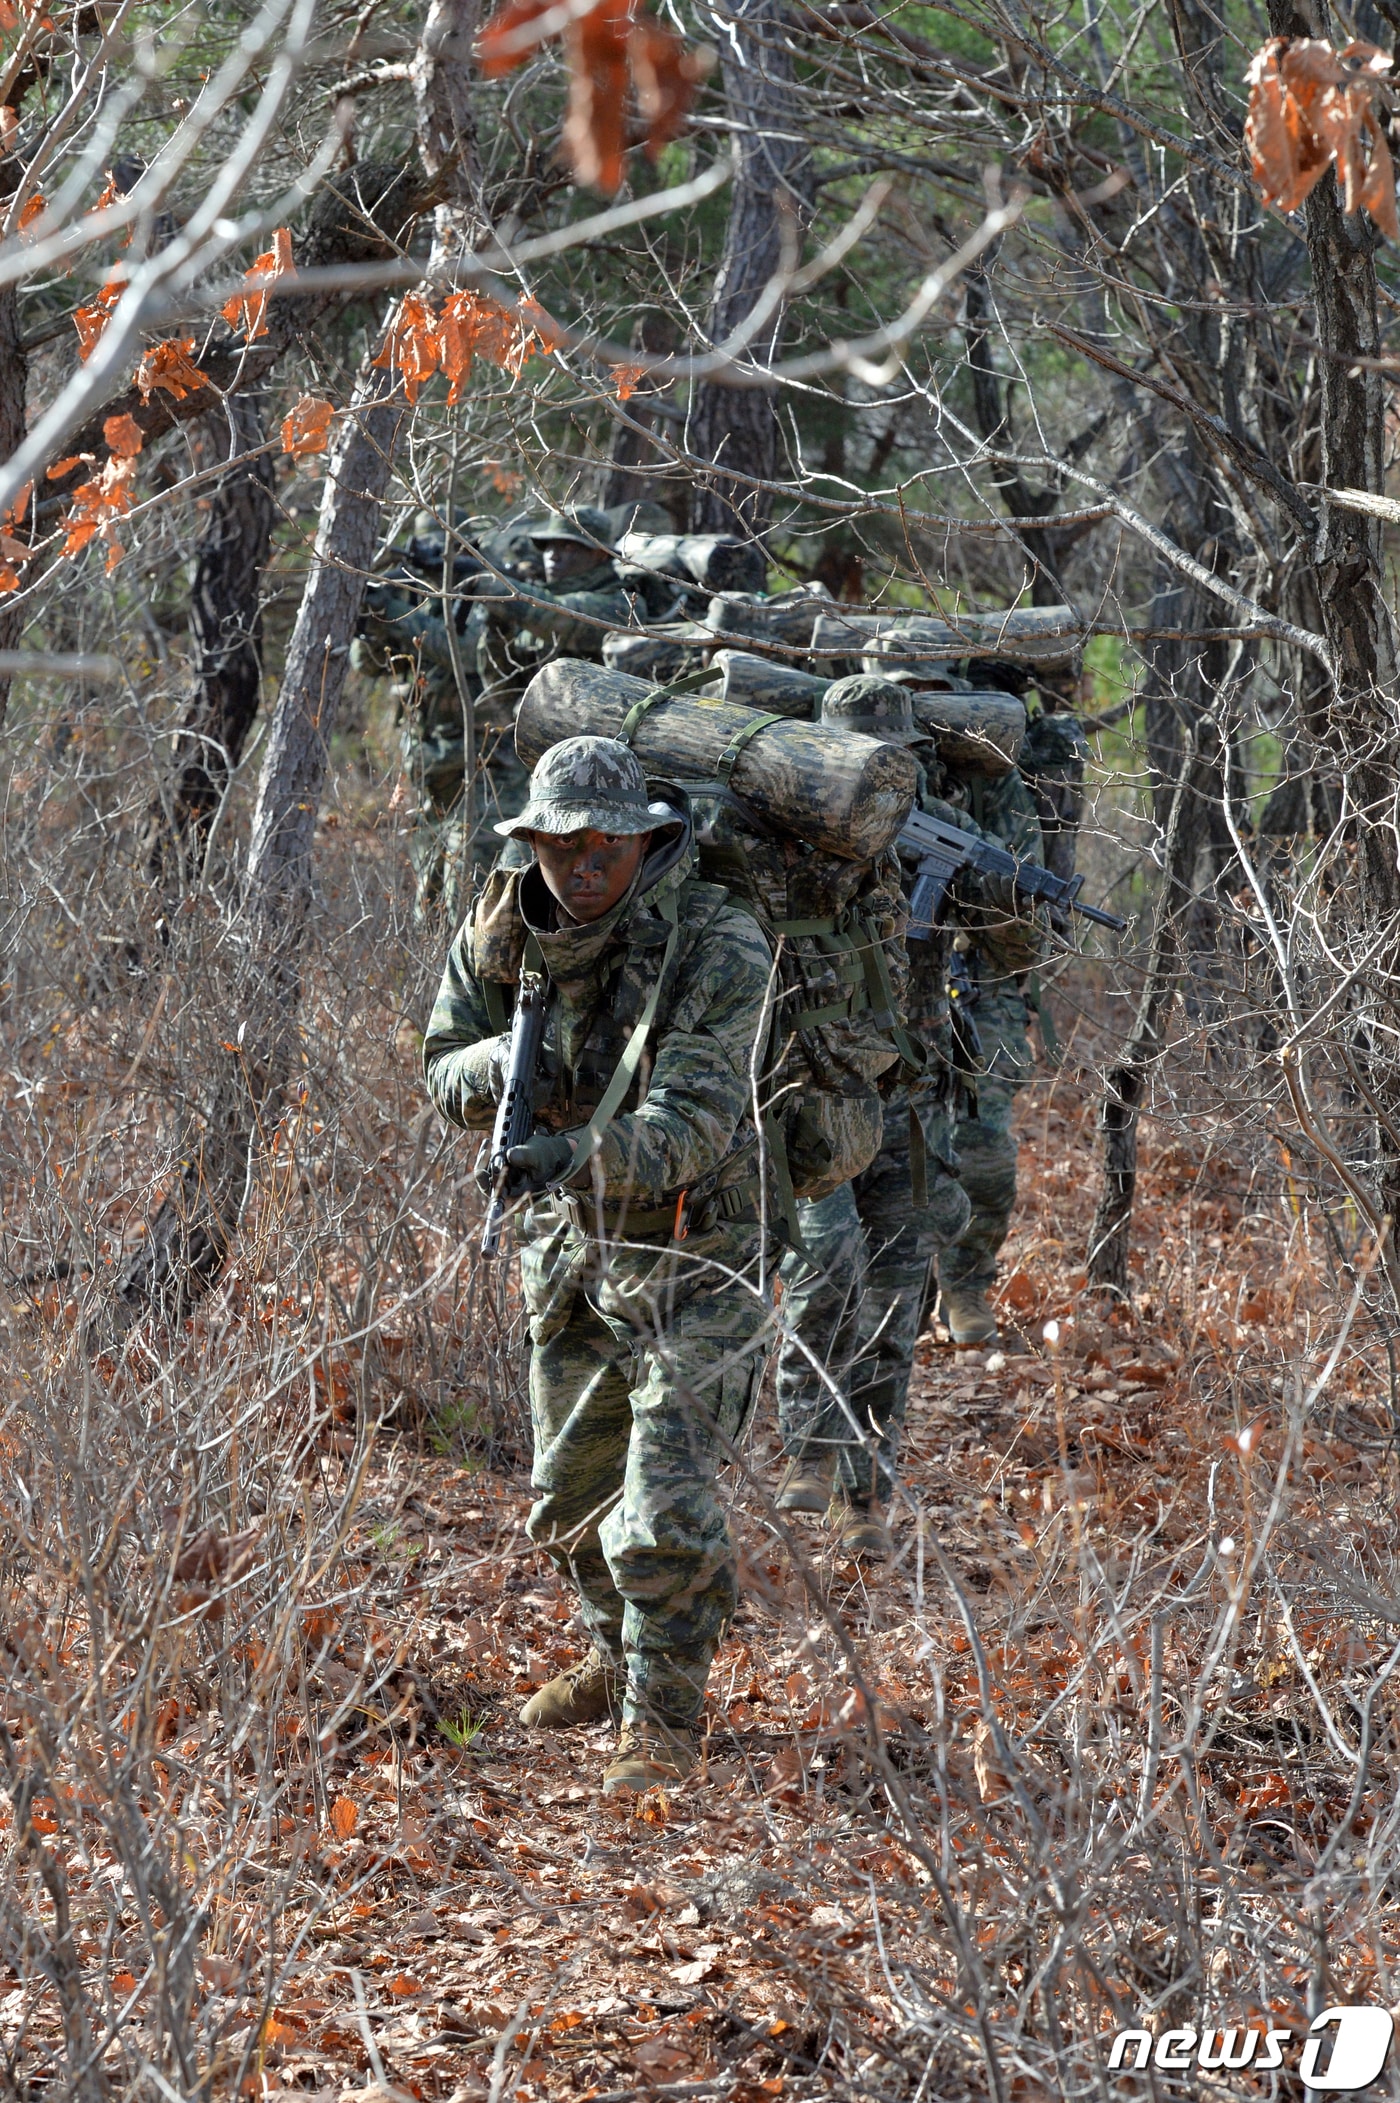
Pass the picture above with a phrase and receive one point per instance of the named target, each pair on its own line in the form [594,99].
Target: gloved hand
[999,893]
[483,1066]
[540,1162]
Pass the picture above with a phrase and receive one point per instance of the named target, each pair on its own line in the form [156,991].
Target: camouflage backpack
[835,927]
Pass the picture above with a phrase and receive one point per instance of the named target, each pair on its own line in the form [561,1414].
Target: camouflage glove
[540,1163]
[483,1066]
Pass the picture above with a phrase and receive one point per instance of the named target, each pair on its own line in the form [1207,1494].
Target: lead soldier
[641,1223]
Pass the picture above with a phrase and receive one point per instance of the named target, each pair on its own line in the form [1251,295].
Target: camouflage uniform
[1005,810]
[403,632]
[1052,764]
[854,1303]
[640,1343]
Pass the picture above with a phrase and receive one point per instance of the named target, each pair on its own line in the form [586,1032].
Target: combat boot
[585,1693]
[648,1756]
[806,1484]
[967,1315]
[860,1528]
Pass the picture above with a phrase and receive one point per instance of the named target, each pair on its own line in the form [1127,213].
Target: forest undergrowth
[1111,1741]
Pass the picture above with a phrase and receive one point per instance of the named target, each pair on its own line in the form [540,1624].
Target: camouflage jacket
[510,634]
[687,1118]
[1008,943]
[403,634]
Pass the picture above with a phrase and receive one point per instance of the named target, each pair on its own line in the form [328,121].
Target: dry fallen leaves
[419,343]
[1310,107]
[605,44]
[92,319]
[344,1818]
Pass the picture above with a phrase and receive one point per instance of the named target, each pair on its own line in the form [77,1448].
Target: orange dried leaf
[123,1982]
[506,40]
[124,436]
[666,73]
[627,379]
[8,18]
[33,208]
[411,344]
[9,579]
[66,466]
[246,309]
[404,1985]
[91,320]
[595,133]
[344,1818]
[307,428]
[15,515]
[169,365]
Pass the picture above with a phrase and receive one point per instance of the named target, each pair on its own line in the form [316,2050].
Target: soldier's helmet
[586,527]
[875,706]
[589,785]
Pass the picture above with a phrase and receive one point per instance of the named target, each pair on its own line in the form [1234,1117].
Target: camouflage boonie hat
[586,527]
[589,785]
[877,707]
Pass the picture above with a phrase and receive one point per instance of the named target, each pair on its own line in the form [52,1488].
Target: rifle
[515,1113]
[939,850]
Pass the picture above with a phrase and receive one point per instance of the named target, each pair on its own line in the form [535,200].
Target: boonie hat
[589,785]
[877,707]
[587,527]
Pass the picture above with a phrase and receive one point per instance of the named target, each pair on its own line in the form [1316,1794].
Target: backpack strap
[625,1071]
[733,751]
[643,705]
[494,994]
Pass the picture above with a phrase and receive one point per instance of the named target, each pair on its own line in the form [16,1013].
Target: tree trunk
[194,1228]
[14,373]
[737,428]
[225,635]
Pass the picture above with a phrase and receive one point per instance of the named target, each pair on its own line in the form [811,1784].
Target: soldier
[856,1301]
[641,1259]
[1005,810]
[403,631]
[512,631]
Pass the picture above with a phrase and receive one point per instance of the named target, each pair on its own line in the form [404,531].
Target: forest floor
[482,1922]
[1110,1740]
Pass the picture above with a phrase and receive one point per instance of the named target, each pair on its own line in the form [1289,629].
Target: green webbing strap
[1049,1035]
[880,993]
[494,994]
[803,927]
[732,752]
[782,1176]
[918,1161]
[686,684]
[625,1071]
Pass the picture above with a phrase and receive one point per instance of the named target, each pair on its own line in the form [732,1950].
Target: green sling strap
[642,706]
[625,1072]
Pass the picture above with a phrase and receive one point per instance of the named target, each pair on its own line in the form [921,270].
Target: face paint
[565,558]
[588,872]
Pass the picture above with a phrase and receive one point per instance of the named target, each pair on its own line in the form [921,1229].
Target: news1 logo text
[1344,2050]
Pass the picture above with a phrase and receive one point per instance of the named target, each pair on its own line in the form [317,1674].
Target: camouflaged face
[589,784]
[874,706]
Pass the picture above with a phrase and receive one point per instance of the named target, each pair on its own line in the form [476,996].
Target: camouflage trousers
[638,1356]
[444,874]
[986,1148]
[855,1303]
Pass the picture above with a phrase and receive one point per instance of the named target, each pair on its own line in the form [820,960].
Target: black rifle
[515,1113]
[939,851]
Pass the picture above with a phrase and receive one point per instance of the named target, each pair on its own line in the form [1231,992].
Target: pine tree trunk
[737,427]
[225,636]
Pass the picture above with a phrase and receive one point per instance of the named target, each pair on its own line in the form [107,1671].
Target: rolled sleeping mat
[718,562]
[658,653]
[786,619]
[978,729]
[766,682]
[1032,635]
[833,788]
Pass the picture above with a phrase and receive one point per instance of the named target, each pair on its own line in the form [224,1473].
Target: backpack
[837,1040]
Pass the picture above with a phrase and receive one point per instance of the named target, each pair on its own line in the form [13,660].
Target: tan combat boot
[806,1484]
[967,1315]
[585,1693]
[649,1756]
[860,1528]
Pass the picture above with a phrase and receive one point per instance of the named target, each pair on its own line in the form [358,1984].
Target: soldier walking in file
[855,1304]
[640,1223]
